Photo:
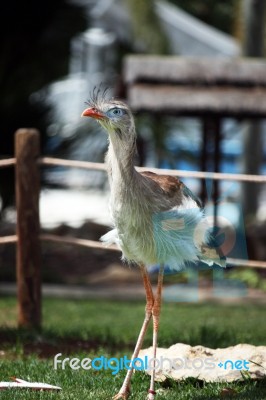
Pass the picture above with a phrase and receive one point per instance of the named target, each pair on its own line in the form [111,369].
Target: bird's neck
[120,160]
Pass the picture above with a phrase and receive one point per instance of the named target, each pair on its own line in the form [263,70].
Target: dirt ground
[62,263]
[77,265]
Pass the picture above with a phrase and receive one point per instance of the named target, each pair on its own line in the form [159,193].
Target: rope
[172,172]
[8,239]
[102,167]
[7,162]
[75,241]
[98,245]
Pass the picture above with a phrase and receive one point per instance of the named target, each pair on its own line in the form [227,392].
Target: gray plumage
[156,218]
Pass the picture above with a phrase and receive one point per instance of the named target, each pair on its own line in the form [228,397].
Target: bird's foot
[151,394]
[122,395]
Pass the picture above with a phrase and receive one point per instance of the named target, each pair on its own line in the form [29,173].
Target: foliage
[249,276]
[146,27]
[34,41]
[220,14]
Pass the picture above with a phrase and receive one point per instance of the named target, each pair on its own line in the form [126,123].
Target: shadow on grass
[243,390]
[47,343]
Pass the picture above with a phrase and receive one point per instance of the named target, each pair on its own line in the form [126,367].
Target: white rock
[182,361]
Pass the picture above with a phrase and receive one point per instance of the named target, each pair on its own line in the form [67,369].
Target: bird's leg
[124,391]
[156,309]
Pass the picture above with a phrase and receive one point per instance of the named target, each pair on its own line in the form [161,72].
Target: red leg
[125,388]
[156,310]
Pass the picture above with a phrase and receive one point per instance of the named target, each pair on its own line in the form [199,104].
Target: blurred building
[93,54]
[93,60]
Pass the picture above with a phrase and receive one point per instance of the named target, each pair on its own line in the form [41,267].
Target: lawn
[86,328]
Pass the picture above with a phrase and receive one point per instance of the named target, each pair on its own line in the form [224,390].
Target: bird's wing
[173,187]
[187,193]
[169,184]
[185,208]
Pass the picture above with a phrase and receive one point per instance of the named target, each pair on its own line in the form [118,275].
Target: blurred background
[54,53]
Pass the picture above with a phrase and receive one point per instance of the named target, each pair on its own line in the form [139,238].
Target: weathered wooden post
[27,149]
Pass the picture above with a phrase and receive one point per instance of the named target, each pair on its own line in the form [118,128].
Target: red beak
[93,113]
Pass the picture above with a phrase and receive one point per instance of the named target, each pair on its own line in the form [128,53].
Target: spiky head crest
[114,115]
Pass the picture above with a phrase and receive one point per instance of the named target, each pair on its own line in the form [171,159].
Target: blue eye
[116,112]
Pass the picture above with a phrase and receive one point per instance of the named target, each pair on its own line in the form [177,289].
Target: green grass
[92,328]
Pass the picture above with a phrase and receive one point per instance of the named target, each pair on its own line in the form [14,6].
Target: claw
[122,395]
[151,394]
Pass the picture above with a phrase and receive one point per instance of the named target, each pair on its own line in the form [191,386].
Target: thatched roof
[172,69]
[197,86]
[193,100]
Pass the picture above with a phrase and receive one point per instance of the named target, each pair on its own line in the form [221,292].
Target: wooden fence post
[27,149]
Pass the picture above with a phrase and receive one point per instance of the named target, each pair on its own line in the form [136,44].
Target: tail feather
[212,255]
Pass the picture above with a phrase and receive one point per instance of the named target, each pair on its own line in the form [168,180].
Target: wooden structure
[208,88]
[196,87]
[27,149]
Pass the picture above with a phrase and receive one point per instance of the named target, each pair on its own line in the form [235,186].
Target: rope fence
[51,161]
[93,244]
[28,237]
[173,172]
[76,241]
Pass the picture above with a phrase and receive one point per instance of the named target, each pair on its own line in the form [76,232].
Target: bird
[156,217]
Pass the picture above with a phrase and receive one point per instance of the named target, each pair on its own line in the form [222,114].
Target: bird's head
[115,117]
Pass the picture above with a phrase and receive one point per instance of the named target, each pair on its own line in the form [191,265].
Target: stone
[182,361]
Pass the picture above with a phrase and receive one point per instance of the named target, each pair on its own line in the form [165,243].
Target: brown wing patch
[169,184]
